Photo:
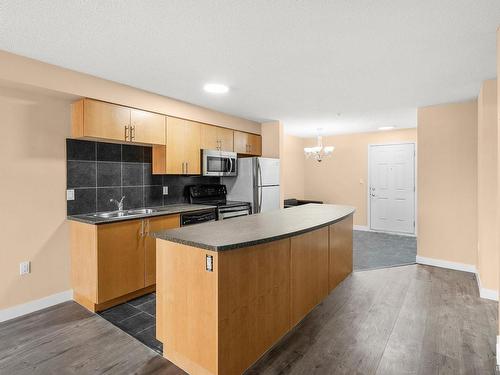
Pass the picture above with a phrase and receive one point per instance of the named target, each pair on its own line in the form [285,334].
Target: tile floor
[138,318]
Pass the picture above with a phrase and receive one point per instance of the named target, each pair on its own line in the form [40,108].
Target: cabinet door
[147,127]
[209,137]
[154,225]
[105,120]
[340,251]
[120,259]
[175,145]
[255,144]
[192,156]
[241,142]
[309,272]
[225,137]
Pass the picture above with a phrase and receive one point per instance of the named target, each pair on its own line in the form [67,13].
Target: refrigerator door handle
[259,175]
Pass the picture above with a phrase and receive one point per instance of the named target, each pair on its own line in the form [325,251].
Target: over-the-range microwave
[219,163]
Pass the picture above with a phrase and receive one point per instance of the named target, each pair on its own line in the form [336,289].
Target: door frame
[368,213]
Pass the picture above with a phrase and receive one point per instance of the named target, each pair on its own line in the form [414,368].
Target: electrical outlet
[165,190]
[70,195]
[24,267]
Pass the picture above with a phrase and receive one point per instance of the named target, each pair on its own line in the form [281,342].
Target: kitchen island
[227,291]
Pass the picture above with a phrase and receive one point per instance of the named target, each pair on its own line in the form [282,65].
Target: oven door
[219,163]
[229,213]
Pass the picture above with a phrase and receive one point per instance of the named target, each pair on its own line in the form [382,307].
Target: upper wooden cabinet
[182,152]
[216,138]
[96,119]
[247,144]
[147,127]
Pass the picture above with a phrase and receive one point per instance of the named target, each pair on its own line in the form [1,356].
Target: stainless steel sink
[141,211]
[113,214]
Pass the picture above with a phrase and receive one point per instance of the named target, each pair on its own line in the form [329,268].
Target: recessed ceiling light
[386,128]
[216,88]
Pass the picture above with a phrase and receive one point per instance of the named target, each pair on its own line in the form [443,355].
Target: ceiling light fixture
[216,88]
[386,128]
[319,152]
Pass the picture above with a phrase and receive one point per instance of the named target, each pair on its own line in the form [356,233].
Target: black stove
[215,195]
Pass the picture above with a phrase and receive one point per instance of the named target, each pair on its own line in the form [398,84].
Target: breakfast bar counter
[227,291]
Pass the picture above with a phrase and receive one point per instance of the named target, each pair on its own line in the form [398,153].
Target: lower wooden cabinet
[115,262]
[309,272]
[340,252]
[155,224]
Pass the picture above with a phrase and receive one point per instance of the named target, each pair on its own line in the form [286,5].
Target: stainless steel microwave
[219,163]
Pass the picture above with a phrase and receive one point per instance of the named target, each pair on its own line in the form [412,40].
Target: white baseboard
[29,307]
[498,350]
[446,264]
[484,292]
[365,228]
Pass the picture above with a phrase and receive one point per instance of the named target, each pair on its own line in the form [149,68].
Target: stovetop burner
[211,194]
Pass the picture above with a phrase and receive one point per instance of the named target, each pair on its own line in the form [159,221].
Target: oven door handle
[230,165]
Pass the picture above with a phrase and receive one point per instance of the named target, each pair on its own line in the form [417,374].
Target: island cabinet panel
[155,224]
[187,307]
[340,251]
[254,303]
[309,272]
[120,260]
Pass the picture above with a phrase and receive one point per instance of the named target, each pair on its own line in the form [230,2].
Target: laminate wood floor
[402,320]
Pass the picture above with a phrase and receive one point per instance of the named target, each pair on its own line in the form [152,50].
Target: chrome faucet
[119,204]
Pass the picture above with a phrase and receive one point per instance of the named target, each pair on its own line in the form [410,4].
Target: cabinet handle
[132,132]
[142,228]
[182,167]
[187,167]
[126,132]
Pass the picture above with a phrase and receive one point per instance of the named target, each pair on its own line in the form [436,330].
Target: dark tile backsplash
[99,171]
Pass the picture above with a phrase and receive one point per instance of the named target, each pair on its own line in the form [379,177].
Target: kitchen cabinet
[115,262]
[216,138]
[247,144]
[120,259]
[182,152]
[309,272]
[340,252]
[100,120]
[155,224]
[147,127]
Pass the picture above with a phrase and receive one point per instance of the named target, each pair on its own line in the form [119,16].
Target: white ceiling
[302,62]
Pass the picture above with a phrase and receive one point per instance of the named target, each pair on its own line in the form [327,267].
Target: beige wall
[487,144]
[343,178]
[273,146]
[21,70]
[293,165]
[447,182]
[33,184]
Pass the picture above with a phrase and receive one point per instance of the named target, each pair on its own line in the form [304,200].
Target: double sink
[128,213]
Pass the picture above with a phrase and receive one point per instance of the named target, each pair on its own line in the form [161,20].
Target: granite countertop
[159,211]
[256,229]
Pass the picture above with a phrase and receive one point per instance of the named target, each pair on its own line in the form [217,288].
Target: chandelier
[319,152]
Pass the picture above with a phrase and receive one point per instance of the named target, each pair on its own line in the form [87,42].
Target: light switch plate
[165,190]
[70,195]
[24,267]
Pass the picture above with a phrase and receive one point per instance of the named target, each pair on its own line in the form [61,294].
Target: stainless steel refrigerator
[258,182]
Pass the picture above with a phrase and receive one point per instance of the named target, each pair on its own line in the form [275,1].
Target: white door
[392,187]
